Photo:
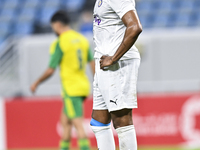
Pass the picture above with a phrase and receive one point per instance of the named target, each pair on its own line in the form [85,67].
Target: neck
[64,29]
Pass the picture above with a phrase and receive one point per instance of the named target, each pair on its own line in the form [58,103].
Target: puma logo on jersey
[115,102]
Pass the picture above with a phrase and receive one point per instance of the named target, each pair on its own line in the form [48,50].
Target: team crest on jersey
[100,3]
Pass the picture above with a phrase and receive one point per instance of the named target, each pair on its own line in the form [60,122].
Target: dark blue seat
[73,5]
[11,4]
[4,28]
[52,3]
[182,19]
[146,20]
[195,19]
[171,19]
[45,15]
[7,15]
[1,5]
[86,27]
[187,5]
[145,6]
[27,15]
[166,6]
[23,28]
[32,3]
[196,5]
[4,31]
[1,40]
[161,20]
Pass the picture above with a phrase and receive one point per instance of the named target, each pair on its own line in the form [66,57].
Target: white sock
[104,137]
[127,138]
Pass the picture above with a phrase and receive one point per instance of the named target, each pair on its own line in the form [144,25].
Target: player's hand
[33,87]
[106,61]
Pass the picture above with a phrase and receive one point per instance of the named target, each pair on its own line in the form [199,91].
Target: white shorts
[115,87]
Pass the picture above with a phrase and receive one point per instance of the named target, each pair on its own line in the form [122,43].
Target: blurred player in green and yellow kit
[71,52]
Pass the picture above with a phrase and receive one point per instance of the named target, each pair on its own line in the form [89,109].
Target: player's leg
[101,127]
[122,99]
[76,116]
[100,122]
[122,122]
[78,124]
[83,141]
[102,116]
[66,136]
[122,118]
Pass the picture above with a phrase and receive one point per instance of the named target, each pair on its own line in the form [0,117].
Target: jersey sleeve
[121,7]
[55,55]
[90,55]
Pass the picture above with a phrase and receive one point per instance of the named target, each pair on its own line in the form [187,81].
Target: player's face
[56,26]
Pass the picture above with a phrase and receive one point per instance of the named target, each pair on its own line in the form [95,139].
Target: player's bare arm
[92,66]
[48,73]
[133,30]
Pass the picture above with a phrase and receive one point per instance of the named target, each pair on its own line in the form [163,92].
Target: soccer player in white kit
[116,27]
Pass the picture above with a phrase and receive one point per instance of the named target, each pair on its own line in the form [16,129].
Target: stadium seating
[168,13]
[7,15]
[152,13]
[73,5]
[31,4]
[4,30]
[45,14]
[11,4]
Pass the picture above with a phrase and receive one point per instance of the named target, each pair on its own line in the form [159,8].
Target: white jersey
[109,29]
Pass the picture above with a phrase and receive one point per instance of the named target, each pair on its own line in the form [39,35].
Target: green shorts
[73,106]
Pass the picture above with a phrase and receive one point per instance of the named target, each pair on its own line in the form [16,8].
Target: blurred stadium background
[168,117]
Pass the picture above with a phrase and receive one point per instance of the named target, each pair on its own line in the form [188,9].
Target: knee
[121,122]
[102,116]
[66,124]
[122,118]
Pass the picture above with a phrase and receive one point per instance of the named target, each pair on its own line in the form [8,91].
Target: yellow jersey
[71,51]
